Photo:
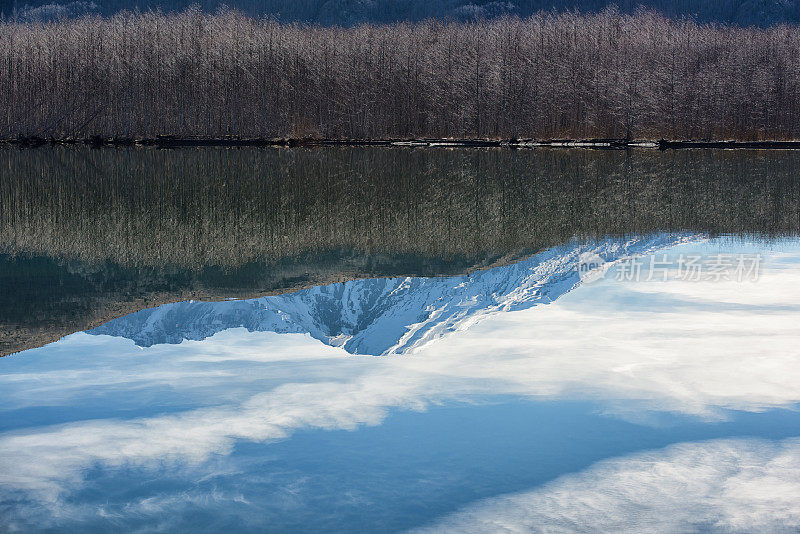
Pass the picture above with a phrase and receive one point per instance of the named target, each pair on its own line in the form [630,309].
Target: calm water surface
[339,340]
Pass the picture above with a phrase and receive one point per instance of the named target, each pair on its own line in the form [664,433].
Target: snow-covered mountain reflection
[389,315]
[540,411]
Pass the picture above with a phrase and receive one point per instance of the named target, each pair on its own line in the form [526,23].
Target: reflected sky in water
[613,405]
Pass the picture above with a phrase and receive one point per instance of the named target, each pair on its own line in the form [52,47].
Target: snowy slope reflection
[389,315]
[526,420]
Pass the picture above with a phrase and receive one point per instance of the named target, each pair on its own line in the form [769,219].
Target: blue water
[267,431]
[413,468]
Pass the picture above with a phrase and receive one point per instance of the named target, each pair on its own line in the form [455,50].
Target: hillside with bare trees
[604,75]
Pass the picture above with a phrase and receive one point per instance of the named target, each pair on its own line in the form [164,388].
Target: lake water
[383,340]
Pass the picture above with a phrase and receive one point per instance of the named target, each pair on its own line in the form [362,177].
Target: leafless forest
[547,76]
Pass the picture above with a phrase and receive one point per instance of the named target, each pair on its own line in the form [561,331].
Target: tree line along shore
[196,76]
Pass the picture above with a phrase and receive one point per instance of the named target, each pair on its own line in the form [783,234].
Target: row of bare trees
[546,76]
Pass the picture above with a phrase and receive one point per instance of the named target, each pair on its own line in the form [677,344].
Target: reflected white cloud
[692,348]
[717,486]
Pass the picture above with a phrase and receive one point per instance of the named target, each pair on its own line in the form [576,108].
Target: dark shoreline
[233,142]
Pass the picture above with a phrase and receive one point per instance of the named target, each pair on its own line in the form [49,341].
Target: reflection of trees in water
[87,235]
[193,208]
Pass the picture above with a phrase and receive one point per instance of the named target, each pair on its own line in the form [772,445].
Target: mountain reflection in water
[528,385]
[387,315]
[621,404]
[87,236]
